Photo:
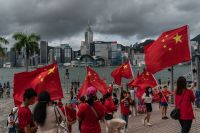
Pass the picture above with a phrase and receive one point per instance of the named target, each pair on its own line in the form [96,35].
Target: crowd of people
[91,109]
[5,90]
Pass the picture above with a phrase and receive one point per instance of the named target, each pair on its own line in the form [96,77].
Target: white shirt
[132,92]
[147,99]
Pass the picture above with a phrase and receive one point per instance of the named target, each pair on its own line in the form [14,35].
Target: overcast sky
[125,21]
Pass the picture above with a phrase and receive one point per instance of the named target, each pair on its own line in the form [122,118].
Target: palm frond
[3,40]
[19,36]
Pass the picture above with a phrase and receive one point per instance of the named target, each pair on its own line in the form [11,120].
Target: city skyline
[65,21]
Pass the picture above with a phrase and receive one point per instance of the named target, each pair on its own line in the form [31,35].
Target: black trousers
[185,125]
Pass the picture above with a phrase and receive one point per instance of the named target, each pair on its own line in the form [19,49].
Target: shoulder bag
[175,114]
[61,124]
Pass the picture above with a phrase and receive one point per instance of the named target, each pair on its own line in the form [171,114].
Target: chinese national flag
[123,71]
[145,79]
[83,88]
[171,48]
[45,78]
[93,79]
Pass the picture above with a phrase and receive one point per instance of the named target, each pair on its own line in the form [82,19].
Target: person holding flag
[165,93]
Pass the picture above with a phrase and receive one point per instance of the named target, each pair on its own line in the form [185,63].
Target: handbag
[61,124]
[175,114]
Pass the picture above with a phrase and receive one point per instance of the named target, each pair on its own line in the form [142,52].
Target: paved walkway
[135,125]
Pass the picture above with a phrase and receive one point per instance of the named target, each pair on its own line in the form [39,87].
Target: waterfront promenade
[135,125]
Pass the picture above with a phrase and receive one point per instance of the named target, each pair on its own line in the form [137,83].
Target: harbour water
[78,73]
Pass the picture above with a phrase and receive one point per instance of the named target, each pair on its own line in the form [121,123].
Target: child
[148,97]
[11,122]
[125,107]
[165,93]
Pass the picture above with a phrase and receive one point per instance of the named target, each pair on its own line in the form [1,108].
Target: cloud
[66,20]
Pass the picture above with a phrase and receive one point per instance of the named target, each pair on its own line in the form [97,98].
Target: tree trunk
[26,65]
[27,59]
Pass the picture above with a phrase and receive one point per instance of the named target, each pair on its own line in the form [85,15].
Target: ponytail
[40,110]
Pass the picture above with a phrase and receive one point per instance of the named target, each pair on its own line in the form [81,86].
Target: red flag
[171,48]
[83,88]
[143,80]
[45,78]
[140,91]
[124,71]
[93,79]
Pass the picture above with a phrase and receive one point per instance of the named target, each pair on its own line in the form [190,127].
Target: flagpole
[172,83]
[191,63]
[131,69]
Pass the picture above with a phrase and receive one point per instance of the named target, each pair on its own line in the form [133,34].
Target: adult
[90,113]
[113,125]
[71,94]
[165,93]
[183,100]
[148,97]
[70,111]
[45,113]
[125,107]
[26,124]
[133,102]
[82,100]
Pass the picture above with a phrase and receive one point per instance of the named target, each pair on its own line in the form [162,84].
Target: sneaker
[143,121]
[163,118]
[149,124]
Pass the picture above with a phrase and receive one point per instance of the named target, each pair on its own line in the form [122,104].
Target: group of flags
[171,48]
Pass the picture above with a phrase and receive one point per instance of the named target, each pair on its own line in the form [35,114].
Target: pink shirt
[186,110]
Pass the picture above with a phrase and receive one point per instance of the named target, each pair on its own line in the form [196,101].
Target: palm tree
[2,41]
[29,42]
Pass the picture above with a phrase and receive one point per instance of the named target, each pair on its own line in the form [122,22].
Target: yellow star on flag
[51,70]
[147,74]
[40,78]
[89,74]
[125,66]
[177,38]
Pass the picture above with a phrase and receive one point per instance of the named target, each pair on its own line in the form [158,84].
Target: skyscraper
[85,45]
[43,52]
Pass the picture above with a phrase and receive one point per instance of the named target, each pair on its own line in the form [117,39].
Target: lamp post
[67,79]
[197,59]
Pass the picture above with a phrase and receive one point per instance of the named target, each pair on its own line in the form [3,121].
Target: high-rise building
[116,54]
[57,54]
[51,56]
[43,52]
[66,53]
[85,45]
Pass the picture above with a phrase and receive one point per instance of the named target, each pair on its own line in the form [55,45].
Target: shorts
[148,107]
[163,104]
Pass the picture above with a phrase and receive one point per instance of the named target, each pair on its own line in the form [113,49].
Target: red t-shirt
[186,110]
[60,105]
[125,109]
[24,117]
[71,113]
[165,96]
[90,123]
[109,106]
